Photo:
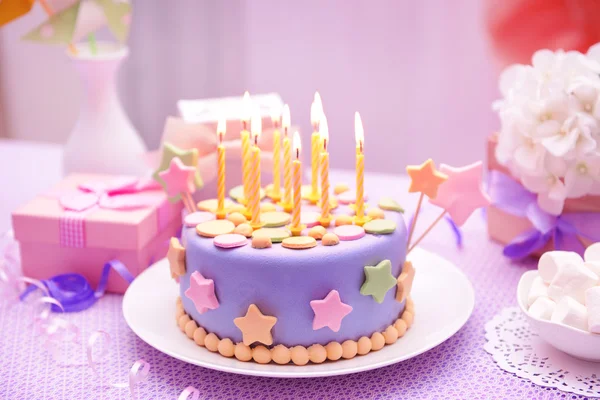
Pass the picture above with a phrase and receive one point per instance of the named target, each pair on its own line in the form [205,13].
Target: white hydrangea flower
[550,125]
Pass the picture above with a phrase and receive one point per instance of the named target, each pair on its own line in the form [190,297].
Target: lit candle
[315,117]
[245,136]
[296,227]
[221,170]
[254,200]
[287,160]
[360,170]
[324,165]
[276,191]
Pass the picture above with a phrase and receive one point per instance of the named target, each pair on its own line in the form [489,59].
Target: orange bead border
[298,355]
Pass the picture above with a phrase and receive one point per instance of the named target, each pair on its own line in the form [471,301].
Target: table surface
[458,368]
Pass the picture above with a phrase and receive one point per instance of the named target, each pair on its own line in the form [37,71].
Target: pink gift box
[54,240]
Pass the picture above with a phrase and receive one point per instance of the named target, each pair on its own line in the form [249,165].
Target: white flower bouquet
[550,125]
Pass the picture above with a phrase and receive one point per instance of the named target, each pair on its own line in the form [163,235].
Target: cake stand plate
[443,296]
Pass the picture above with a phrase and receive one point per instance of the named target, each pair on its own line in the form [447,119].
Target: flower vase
[103,139]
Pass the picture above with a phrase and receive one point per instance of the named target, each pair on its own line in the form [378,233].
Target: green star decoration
[187,157]
[378,280]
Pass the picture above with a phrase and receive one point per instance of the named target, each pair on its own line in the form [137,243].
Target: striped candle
[254,199]
[315,116]
[245,136]
[287,159]
[360,167]
[221,170]
[276,195]
[324,165]
[297,165]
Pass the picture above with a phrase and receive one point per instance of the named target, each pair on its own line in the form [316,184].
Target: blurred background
[423,74]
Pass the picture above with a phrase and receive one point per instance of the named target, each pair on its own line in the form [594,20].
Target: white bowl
[578,343]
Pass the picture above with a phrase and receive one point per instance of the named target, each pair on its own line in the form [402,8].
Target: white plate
[443,296]
[578,343]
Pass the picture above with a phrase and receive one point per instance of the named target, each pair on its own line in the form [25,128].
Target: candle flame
[324,132]
[316,111]
[286,119]
[256,125]
[246,107]
[221,129]
[359,133]
[296,144]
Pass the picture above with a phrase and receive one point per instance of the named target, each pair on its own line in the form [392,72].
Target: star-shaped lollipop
[378,280]
[329,312]
[255,326]
[178,178]
[405,281]
[187,157]
[202,293]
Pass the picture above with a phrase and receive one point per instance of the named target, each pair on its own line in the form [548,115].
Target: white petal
[535,183]
[551,206]
[543,59]
[561,144]
[527,158]
[577,184]
[547,129]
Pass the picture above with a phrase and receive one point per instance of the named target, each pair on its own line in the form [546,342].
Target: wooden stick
[414,223]
[50,13]
[191,202]
[186,203]
[438,219]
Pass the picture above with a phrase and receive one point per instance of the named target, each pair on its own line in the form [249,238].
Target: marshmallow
[542,308]
[592,301]
[572,280]
[570,312]
[552,261]
[594,266]
[592,253]
[538,289]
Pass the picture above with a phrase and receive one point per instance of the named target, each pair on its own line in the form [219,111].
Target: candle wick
[297,154]
[285,131]
[325,144]
[361,146]
[220,137]
[256,140]
[244,125]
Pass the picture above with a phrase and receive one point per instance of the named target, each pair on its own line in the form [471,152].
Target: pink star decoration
[179,178]
[329,312]
[202,293]
[462,193]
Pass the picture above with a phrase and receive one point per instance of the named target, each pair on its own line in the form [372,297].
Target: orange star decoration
[176,257]
[405,281]
[425,178]
[255,326]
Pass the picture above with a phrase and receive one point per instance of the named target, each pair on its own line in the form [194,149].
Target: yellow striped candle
[315,116]
[245,136]
[287,160]
[324,163]
[360,168]
[221,170]
[254,200]
[297,165]
[276,194]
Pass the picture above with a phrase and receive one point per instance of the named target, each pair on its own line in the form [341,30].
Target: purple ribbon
[74,292]
[565,230]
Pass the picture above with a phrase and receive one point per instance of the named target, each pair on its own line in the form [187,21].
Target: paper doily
[519,350]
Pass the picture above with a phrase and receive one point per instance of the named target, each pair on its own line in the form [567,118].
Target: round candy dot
[237,218]
[215,228]
[243,229]
[189,329]
[408,317]
[349,197]
[317,353]
[281,354]
[242,352]
[401,327]
[261,355]
[349,232]
[211,205]
[306,191]
[310,218]
[179,302]
[317,232]
[364,345]
[349,349]
[380,226]
[330,239]
[274,219]
[198,217]
[375,213]
[261,242]
[267,207]
[343,220]
[230,240]
[377,341]
[237,193]
[277,235]
[182,321]
[390,335]
[226,348]
[180,311]
[211,342]
[236,207]
[299,242]
[334,351]
[299,355]
[199,336]
[340,188]
[389,204]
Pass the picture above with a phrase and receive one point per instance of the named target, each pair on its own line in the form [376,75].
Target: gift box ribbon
[123,194]
[565,230]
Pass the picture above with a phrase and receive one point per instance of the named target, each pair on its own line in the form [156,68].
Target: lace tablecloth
[458,368]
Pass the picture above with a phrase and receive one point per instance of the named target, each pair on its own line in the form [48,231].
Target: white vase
[103,139]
